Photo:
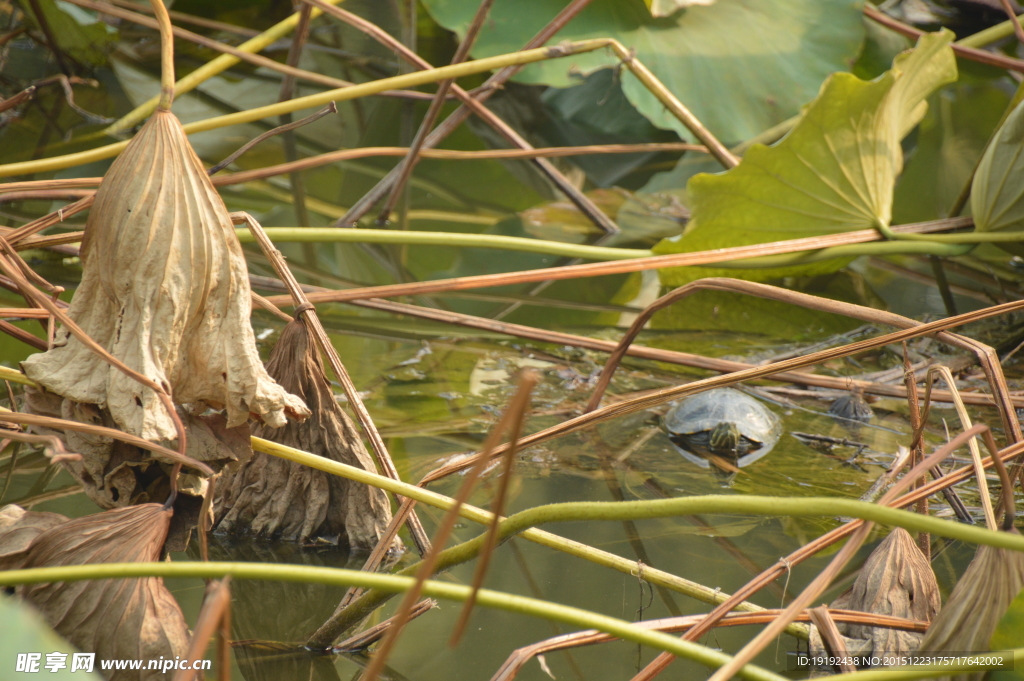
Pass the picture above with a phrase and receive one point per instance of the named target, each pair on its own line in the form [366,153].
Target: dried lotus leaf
[978,602]
[114,473]
[274,497]
[18,528]
[896,580]
[114,618]
[165,290]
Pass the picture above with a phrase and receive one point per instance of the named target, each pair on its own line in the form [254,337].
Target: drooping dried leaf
[978,602]
[273,497]
[896,580]
[115,618]
[165,290]
[18,528]
[114,473]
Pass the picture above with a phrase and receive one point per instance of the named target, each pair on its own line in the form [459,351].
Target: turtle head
[725,438]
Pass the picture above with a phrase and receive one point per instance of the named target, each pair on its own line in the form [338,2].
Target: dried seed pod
[896,580]
[114,618]
[273,497]
[165,290]
[979,600]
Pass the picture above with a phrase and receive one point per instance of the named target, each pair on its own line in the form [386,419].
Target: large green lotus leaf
[77,32]
[997,194]
[835,171]
[741,66]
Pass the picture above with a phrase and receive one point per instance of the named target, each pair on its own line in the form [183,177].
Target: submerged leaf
[114,618]
[978,602]
[997,193]
[274,497]
[835,171]
[165,290]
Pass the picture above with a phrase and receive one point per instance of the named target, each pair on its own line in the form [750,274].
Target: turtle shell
[691,422]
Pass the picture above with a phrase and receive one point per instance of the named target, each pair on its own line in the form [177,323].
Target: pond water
[435,390]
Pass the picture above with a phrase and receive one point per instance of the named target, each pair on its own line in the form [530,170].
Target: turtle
[724,426]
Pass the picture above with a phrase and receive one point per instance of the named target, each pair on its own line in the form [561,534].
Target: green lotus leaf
[997,194]
[835,172]
[1009,634]
[741,66]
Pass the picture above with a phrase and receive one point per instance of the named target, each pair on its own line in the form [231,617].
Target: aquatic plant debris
[165,290]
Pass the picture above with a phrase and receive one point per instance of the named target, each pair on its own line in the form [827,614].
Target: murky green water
[434,390]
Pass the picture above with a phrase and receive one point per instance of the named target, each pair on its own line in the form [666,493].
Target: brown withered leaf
[114,618]
[165,290]
[18,528]
[273,497]
[979,600]
[896,580]
[114,473]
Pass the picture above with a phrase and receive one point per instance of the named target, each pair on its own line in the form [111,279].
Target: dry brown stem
[409,162]
[986,355]
[586,206]
[854,527]
[971,53]
[329,109]
[657,354]
[100,431]
[624,266]
[521,656]
[368,152]
[526,383]
[216,606]
[512,416]
[826,628]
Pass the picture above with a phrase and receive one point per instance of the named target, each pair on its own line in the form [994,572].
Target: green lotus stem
[553,541]
[989,35]
[852,251]
[392,236]
[212,68]
[343,577]
[405,81]
[829,507]
[974,237]
[525,521]
[15,376]
[638,510]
